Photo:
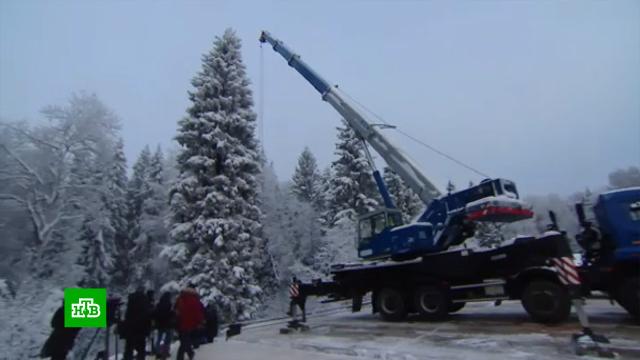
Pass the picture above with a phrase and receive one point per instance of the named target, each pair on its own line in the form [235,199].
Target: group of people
[194,323]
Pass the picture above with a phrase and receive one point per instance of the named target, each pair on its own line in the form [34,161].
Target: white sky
[544,93]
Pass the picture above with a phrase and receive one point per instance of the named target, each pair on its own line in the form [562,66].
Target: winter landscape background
[210,206]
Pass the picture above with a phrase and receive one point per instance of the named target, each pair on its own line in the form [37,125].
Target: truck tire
[628,296]
[391,304]
[455,307]
[546,301]
[431,302]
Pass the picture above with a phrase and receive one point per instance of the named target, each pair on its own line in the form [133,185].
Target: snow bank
[26,320]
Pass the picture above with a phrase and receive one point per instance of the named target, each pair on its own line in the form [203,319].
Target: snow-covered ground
[480,331]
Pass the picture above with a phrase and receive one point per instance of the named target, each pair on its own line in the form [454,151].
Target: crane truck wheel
[432,302]
[391,304]
[546,301]
[629,296]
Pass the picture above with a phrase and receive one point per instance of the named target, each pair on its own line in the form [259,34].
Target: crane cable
[258,323]
[261,100]
[420,142]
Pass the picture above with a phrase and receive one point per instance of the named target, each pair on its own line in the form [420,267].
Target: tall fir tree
[138,190]
[114,197]
[403,197]
[306,179]
[291,226]
[214,207]
[324,196]
[270,198]
[352,189]
[94,258]
[350,192]
[151,230]
[156,167]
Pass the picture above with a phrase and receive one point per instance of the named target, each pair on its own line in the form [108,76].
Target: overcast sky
[546,93]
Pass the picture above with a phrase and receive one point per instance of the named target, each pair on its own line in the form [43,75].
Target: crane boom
[393,156]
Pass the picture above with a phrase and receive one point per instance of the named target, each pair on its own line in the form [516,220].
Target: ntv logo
[85,308]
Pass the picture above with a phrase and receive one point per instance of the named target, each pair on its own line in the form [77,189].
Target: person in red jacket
[190,316]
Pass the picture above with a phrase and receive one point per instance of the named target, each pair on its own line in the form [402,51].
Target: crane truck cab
[447,221]
[611,240]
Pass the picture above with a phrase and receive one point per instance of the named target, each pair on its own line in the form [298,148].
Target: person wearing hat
[190,317]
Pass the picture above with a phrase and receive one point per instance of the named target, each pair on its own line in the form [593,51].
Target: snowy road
[480,331]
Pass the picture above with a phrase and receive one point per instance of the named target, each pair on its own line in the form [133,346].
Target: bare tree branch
[12,197]
[23,164]
[15,177]
[29,136]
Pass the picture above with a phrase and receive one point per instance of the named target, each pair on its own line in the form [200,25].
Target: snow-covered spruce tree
[324,196]
[352,192]
[94,259]
[138,190]
[170,170]
[114,196]
[152,233]
[102,217]
[302,214]
[214,205]
[352,189]
[271,205]
[156,167]
[306,179]
[403,197]
[291,227]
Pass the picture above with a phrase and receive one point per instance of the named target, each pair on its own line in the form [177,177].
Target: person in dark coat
[137,324]
[190,317]
[164,319]
[152,304]
[151,297]
[211,319]
[61,340]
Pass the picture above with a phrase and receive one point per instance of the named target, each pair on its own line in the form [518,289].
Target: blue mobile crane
[416,267]
[447,219]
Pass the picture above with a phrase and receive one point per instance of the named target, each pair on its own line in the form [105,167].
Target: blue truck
[610,237]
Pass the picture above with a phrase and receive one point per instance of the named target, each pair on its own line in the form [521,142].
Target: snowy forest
[209,211]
